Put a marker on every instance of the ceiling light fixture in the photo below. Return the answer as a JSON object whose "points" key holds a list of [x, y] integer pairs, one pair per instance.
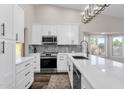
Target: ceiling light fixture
{"points": [[91, 11]]}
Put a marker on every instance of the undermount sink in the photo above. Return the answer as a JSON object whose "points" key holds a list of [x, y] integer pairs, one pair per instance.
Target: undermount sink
{"points": [[80, 57]]}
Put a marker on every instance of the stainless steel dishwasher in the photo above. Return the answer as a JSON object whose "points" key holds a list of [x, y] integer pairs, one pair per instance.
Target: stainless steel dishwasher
{"points": [[76, 78]]}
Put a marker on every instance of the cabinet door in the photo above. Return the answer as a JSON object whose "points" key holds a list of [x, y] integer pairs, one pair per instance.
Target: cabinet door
{"points": [[61, 63], [7, 64], [6, 21], [49, 30], [63, 34], [36, 35], [74, 34], [19, 23], [53, 30]]}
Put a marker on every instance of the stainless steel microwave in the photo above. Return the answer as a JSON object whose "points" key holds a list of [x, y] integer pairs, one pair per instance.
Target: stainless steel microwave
{"points": [[49, 39]]}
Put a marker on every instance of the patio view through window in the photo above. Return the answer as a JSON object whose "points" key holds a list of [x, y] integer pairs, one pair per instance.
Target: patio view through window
{"points": [[97, 45], [117, 46]]}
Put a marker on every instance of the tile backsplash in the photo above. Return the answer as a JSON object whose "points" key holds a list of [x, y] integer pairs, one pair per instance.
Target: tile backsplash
{"points": [[55, 48]]}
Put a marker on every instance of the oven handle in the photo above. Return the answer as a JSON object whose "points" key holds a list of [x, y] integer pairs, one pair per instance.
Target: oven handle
{"points": [[48, 58]]}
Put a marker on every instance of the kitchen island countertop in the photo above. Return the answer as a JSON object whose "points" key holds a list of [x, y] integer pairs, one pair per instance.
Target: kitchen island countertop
{"points": [[101, 73]]}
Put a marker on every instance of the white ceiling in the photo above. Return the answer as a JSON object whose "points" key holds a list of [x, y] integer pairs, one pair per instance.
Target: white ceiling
{"points": [[116, 10], [73, 6]]}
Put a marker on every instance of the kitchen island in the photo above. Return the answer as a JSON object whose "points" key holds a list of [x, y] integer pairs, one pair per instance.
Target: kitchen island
{"points": [[98, 73]]}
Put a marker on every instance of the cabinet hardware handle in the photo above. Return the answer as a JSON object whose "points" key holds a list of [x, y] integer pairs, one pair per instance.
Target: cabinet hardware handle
{"points": [[27, 84], [69, 67], [3, 29], [16, 37], [27, 73], [61, 59], [27, 64], [3, 47]]}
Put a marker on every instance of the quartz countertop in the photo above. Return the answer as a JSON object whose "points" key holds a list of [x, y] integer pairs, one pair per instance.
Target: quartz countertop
{"points": [[101, 73], [23, 59]]}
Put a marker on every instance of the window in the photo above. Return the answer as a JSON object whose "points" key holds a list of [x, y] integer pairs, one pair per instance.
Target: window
{"points": [[117, 48], [97, 45]]}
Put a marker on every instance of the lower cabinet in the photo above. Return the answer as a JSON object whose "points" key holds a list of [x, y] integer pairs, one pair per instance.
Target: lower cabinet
{"points": [[36, 62], [24, 74], [61, 63]]}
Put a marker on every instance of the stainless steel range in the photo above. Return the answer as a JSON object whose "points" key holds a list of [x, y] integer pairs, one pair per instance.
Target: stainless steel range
{"points": [[48, 62]]}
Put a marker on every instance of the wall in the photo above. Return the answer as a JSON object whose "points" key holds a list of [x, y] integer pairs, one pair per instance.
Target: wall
{"points": [[29, 19], [49, 14]]}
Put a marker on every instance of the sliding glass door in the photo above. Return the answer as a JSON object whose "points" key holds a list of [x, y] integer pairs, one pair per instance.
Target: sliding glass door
{"points": [[117, 46], [98, 45]]}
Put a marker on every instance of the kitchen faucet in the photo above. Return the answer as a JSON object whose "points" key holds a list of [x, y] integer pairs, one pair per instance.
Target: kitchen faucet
{"points": [[81, 43]]}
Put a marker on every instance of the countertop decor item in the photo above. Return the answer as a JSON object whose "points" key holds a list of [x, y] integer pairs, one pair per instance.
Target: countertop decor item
{"points": [[91, 11]]}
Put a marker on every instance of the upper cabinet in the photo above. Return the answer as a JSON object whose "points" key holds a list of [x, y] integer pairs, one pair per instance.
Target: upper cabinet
{"points": [[36, 35], [67, 34], [48, 30], [63, 34], [74, 31], [6, 21], [19, 23]]}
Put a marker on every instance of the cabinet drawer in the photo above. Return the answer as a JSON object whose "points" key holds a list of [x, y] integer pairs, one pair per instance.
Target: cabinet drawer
{"points": [[23, 66], [62, 56], [36, 64], [36, 69], [24, 73], [25, 83]]}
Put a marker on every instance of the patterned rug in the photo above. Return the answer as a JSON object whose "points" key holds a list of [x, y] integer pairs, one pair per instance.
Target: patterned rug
{"points": [[51, 81]]}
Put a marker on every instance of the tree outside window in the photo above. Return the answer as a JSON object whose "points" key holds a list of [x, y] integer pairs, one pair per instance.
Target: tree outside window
{"points": [[117, 46]]}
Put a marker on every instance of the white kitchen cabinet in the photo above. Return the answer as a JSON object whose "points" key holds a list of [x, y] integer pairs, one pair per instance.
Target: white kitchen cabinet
{"points": [[48, 30], [61, 63], [19, 23], [63, 34], [74, 34], [68, 34], [36, 62], [6, 21], [36, 35], [7, 63], [24, 74]]}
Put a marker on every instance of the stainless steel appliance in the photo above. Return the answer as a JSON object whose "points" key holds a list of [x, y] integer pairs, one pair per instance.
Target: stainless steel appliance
{"points": [[76, 78], [49, 39], [48, 62]]}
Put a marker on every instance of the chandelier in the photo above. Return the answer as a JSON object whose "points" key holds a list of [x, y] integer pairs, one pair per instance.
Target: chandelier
{"points": [[91, 11]]}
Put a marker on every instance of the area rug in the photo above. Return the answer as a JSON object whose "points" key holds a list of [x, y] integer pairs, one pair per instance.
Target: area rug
{"points": [[51, 81]]}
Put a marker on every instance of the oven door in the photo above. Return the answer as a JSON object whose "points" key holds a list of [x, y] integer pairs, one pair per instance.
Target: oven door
{"points": [[48, 63]]}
